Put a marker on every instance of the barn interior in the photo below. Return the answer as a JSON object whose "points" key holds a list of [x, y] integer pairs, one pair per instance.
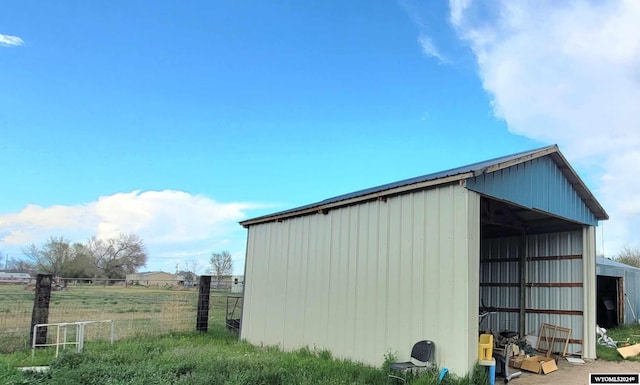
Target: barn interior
{"points": [[530, 271]]}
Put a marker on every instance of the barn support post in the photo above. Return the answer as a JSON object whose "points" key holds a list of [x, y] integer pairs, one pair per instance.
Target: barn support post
{"points": [[522, 253], [202, 318], [40, 313], [589, 289]]}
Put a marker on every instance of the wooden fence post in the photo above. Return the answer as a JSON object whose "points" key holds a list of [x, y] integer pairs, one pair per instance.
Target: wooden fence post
{"points": [[202, 321], [40, 313]]}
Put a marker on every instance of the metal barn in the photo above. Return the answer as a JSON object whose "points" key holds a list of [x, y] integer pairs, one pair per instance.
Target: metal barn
{"points": [[617, 293], [374, 271]]}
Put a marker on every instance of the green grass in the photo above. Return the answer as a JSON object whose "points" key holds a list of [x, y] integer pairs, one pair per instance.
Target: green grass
{"points": [[136, 310], [191, 358], [628, 333]]}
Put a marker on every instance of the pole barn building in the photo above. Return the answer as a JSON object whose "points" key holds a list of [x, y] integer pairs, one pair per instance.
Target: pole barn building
{"points": [[617, 293], [377, 270]]}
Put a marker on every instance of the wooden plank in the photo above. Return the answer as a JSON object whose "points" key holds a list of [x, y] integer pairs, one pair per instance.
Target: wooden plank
{"points": [[555, 258], [533, 259], [554, 284], [539, 311], [531, 284], [548, 334], [202, 316], [40, 313], [629, 351]]}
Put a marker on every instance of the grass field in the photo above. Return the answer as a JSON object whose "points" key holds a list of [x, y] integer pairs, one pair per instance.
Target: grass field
{"points": [[627, 334], [192, 358], [135, 310], [157, 344]]}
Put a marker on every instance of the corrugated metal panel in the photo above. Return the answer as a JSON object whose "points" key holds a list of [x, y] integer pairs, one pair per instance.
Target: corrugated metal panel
{"points": [[601, 261], [566, 271], [537, 184], [632, 291], [368, 279], [631, 284], [499, 265]]}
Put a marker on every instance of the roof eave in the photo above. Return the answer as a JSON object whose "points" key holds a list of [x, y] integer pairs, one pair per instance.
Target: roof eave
{"points": [[580, 187], [378, 195], [553, 151]]}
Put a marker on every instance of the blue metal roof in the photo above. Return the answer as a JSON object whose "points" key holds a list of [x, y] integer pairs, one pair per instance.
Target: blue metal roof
{"points": [[464, 172], [610, 262]]}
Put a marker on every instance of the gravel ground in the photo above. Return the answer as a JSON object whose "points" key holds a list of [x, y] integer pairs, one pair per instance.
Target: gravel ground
{"points": [[574, 374]]}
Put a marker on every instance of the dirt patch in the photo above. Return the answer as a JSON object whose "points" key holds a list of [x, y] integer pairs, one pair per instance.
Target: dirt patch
{"points": [[574, 374]]}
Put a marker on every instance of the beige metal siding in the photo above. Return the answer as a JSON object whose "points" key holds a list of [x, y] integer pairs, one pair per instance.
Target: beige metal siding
{"points": [[371, 278], [589, 300]]}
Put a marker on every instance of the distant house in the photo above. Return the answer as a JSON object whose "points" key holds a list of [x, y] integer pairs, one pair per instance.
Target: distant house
{"points": [[154, 278], [14, 277], [226, 281]]}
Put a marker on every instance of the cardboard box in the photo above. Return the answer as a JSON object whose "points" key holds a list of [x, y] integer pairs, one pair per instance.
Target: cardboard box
{"points": [[516, 362], [629, 351], [539, 364]]}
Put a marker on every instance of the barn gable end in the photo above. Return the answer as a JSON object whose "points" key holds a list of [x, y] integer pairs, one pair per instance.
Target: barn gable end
{"points": [[537, 184]]}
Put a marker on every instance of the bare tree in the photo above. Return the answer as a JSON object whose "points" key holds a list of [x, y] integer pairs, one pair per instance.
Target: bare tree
{"points": [[629, 255], [58, 257], [190, 272], [221, 265], [192, 265], [117, 257], [19, 266], [53, 257]]}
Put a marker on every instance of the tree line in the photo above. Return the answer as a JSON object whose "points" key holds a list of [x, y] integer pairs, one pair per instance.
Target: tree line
{"points": [[112, 258]]}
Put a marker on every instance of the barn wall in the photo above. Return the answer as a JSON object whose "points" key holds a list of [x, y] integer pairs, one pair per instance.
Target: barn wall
{"points": [[554, 282], [371, 278], [632, 300]]}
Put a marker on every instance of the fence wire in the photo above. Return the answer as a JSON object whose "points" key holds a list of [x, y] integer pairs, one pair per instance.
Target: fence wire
{"points": [[136, 311]]}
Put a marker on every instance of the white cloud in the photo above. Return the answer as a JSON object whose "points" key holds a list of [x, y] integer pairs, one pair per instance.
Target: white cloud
{"points": [[567, 73], [165, 216], [429, 48], [10, 41], [457, 8], [426, 43], [173, 224]]}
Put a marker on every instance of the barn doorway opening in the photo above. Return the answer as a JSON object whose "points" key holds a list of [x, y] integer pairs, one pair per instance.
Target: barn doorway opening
{"points": [[528, 261], [609, 301]]}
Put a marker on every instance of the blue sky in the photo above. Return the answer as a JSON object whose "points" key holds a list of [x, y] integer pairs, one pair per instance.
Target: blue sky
{"points": [[176, 120]]}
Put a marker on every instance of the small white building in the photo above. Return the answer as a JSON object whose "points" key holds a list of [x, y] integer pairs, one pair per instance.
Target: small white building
{"points": [[16, 278], [237, 284], [618, 293]]}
